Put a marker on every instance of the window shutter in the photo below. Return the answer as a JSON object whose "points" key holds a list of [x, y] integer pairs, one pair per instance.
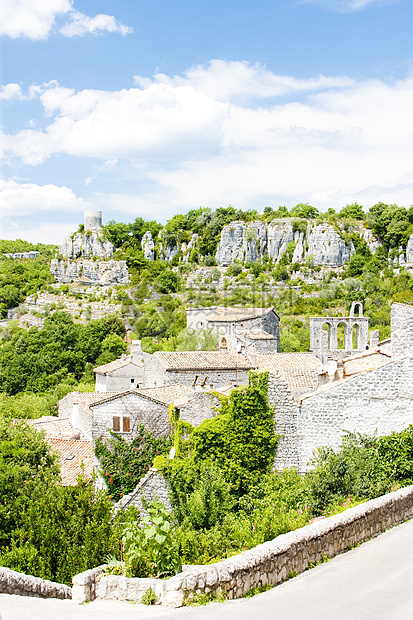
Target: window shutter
{"points": [[116, 424], [126, 425]]}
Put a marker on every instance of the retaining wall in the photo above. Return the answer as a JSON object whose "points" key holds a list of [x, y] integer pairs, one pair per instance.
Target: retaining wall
{"points": [[12, 582], [269, 563]]}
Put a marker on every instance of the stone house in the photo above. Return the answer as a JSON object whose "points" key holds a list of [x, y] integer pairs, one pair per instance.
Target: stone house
{"points": [[374, 396], [214, 368], [125, 373], [244, 330], [97, 414]]}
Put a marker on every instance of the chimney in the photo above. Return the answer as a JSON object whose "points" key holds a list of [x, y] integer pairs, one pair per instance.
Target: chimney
{"points": [[136, 351]]}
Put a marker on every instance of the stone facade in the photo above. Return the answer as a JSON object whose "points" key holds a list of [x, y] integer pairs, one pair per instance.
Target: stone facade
{"points": [[156, 375], [265, 565], [130, 405], [12, 582], [286, 412], [118, 376], [152, 487], [376, 401], [323, 342], [245, 330], [401, 330]]}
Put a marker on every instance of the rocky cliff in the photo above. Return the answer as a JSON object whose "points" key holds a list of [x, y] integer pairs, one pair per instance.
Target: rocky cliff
{"points": [[91, 272], [86, 245], [251, 242]]}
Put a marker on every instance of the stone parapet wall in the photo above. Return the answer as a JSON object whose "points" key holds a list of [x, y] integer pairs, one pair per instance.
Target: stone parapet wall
{"points": [[268, 564], [12, 582]]}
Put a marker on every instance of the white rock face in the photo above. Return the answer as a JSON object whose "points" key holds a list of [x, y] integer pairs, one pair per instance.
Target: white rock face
{"points": [[148, 246], [101, 273], [409, 251], [327, 247], [279, 236], [86, 246], [250, 242]]}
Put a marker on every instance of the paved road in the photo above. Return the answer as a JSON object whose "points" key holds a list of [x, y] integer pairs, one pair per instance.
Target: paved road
{"points": [[371, 582]]}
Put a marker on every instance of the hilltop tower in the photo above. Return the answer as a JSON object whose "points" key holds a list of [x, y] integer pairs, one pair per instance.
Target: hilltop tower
{"points": [[93, 220]]}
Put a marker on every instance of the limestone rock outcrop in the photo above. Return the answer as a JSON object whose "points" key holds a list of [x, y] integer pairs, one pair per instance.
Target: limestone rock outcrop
{"points": [[86, 245], [99, 272], [250, 242], [148, 246]]}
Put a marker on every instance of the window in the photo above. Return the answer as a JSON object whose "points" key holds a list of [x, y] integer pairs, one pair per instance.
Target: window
{"points": [[132, 380], [121, 424]]}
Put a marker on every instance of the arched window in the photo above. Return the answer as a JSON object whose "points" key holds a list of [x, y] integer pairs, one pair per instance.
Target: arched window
{"points": [[325, 336], [341, 336], [356, 336]]}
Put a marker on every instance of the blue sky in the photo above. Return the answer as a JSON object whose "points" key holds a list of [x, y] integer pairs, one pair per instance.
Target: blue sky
{"points": [[153, 108]]}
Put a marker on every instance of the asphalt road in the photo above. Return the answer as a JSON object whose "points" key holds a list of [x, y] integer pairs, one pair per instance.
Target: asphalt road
{"points": [[372, 582]]}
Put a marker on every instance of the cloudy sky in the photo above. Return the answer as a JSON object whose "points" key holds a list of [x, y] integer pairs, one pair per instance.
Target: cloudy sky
{"points": [[152, 108]]}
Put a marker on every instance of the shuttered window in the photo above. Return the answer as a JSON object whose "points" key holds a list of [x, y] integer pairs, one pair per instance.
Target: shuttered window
{"points": [[116, 424], [126, 425]]}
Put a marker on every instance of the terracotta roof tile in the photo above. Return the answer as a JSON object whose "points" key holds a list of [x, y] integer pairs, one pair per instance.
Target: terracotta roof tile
{"points": [[287, 361], [59, 428], [115, 365], [203, 360], [238, 314], [72, 455], [86, 399], [166, 395]]}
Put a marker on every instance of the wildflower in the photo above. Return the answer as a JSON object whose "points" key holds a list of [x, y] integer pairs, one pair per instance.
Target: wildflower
{"points": [[107, 474], [300, 512], [110, 480]]}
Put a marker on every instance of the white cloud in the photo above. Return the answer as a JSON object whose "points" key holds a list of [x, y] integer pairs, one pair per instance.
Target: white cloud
{"points": [[25, 199], [204, 139], [30, 18], [238, 81], [81, 24], [35, 19], [10, 91]]}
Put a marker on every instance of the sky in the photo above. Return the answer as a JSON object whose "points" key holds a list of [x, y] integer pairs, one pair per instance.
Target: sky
{"points": [[147, 109]]}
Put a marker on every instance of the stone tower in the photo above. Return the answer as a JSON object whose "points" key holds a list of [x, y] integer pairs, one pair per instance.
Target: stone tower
{"points": [[93, 220]]}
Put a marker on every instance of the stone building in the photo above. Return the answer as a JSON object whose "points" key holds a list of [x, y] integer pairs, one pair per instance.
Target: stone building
{"points": [[125, 373], [374, 396], [97, 414], [245, 330], [324, 334], [211, 367]]}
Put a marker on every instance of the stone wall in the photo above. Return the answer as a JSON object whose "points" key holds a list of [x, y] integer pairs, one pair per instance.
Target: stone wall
{"points": [[286, 421], [201, 406], [268, 564], [401, 330], [12, 582], [153, 415], [376, 401], [155, 375], [152, 487]]}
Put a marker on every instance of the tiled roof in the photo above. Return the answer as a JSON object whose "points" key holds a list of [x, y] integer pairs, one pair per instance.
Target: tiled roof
{"points": [[115, 365], [165, 395], [298, 370], [238, 314], [72, 454], [86, 399], [256, 334], [55, 427], [287, 361], [367, 360], [203, 360]]}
